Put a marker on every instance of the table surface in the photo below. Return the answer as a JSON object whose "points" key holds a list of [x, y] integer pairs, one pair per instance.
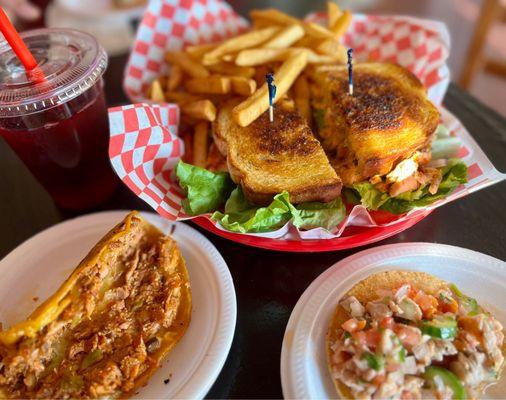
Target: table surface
{"points": [[268, 283]]}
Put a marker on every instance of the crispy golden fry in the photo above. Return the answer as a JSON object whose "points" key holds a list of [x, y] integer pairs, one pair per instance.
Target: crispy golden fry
{"points": [[279, 18], [214, 84], [286, 37], [155, 91], [306, 41], [342, 24], [200, 144], [315, 58], [301, 97], [260, 23], [188, 65], [181, 97], [243, 86], [332, 47], [317, 31], [333, 13], [249, 39], [187, 156], [250, 109], [232, 69], [200, 109], [275, 17], [175, 77], [228, 57], [253, 57], [197, 51]]}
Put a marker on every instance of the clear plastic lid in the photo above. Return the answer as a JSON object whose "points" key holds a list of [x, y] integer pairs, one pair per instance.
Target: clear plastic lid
{"points": [[71, 61]]}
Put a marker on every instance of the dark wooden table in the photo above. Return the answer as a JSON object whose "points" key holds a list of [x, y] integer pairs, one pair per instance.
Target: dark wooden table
{"points": [[268, 284]]}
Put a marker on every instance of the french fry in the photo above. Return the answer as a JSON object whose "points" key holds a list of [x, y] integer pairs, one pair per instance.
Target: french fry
{"points": [[181, 97], [243, 86], [155, 91], [279, 18], [175, 77], [232, 69], [301, 97], [285, 38], [214, 84], [342, 24], [253, 57], [333, 13], [200, 144], [188, 147], [191, 67], [306, 41], [333, 48], [200, 109], [249, 39], [197, 51], [228, 57], [315, 58], [318, 31], [260, 23], [276, 17], [250, 109]]}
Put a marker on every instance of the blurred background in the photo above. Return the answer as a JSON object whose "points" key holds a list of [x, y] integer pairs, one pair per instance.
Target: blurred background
{"points": [[477, 28]]}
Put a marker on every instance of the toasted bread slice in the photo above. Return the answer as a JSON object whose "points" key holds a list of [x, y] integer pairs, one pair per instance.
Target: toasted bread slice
{"points": [[268, 158], [386, 120]]}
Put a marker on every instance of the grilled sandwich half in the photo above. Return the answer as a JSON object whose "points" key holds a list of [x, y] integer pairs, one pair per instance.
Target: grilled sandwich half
{"points": [[387, 120], [267, 158]]}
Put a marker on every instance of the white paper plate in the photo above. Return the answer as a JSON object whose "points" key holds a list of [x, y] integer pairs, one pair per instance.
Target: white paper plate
{"points": [[36, 268], [304, 372]]}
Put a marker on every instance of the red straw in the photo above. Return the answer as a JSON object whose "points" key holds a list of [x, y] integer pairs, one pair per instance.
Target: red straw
{"points": [[18, 46]]}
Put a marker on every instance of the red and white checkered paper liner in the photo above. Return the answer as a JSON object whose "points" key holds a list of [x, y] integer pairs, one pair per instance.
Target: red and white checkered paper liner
{"points": [[144, 146]]}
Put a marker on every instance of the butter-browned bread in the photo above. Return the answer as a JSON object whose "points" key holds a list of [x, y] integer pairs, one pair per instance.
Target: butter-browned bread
{"points": [[386, 120], [267, 158]]}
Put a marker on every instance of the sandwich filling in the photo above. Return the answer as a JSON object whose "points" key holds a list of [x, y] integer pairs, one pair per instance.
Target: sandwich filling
{"points": [[382, 133], [409, 344]]}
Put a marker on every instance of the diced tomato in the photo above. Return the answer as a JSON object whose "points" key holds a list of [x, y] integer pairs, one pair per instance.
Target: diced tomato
{"points": [[387, 323], [368, 338], [379, 379], [448, 305], [470, 325], [407, 336], [427, 303], [391, 367], [353, 325], [407, 395]]}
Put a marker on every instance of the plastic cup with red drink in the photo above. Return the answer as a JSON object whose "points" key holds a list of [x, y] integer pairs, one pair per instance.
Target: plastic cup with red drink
{"points": [[58, 125]]}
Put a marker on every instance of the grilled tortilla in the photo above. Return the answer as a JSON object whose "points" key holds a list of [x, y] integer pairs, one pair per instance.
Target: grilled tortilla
{"points": [[106, 329], [462, 368]]}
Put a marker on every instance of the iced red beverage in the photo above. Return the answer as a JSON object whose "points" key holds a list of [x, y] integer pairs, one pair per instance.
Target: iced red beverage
{"points": [[59, 126]]}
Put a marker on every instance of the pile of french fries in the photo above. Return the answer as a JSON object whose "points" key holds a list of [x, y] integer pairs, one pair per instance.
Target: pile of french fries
{"points": [[201, 77]]}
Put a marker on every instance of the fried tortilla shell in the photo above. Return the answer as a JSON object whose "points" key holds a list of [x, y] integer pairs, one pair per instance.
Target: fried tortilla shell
{"points": [[365, 291], [107, 328]]}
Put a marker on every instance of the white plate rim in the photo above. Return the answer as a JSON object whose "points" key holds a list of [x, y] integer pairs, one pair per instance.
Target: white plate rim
{"points": [[349, 269], [206, 373]]}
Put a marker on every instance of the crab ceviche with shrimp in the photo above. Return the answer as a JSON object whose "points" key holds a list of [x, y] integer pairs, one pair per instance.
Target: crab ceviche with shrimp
{"points": [[410, 335]]}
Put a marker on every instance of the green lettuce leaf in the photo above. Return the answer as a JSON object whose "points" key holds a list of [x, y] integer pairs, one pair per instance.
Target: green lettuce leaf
{"points": [[242, 216], [206, 191], [325, 215], [454, 174]]}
